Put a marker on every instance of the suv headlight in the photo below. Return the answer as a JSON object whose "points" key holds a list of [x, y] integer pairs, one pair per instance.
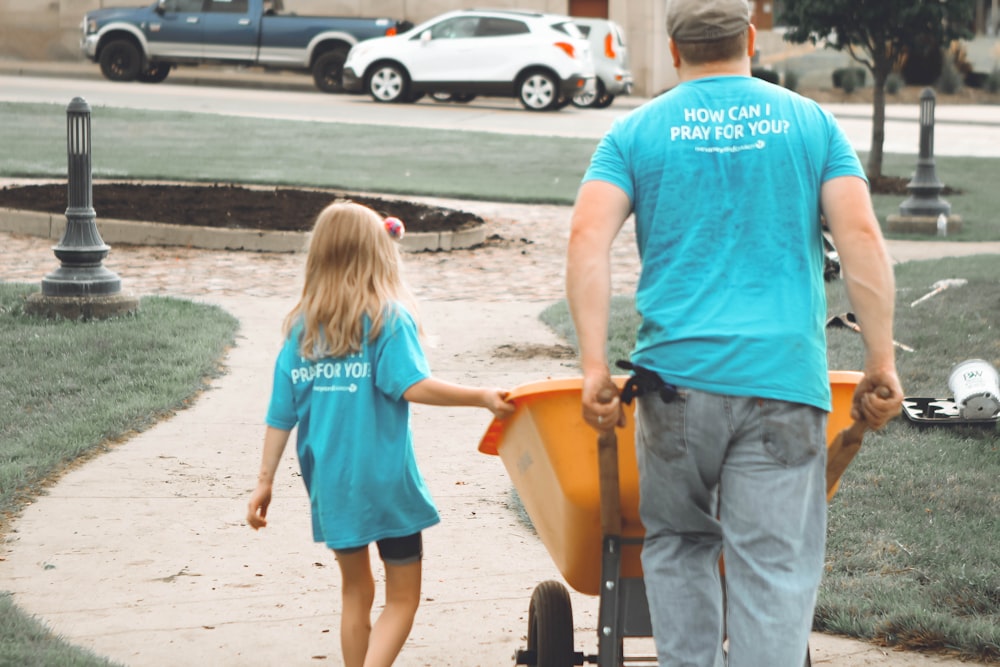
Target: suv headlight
{"points": [[358, 51], [89, 26]]}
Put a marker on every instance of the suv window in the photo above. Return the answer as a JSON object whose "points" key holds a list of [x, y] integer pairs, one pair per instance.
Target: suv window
{"points": [[455, 28], [567, 27], [497, 27], [227, 6]]}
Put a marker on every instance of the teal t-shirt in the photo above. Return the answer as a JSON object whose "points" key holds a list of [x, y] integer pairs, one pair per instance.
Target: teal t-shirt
{"points": [[724, 176], [354, 443]]}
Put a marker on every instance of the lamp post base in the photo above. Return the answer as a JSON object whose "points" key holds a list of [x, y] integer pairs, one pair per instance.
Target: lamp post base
{"points": [[92, 307], [922, 224]]}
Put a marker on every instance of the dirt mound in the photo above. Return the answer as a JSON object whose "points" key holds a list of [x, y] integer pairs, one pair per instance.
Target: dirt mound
{"points": [[284, 209]]}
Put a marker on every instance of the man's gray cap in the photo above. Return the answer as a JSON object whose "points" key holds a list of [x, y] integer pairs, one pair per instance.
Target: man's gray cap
{"points": [[706, 20]]}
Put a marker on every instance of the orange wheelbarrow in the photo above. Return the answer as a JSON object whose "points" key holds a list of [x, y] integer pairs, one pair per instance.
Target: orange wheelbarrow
{"points": [[582, 495]]}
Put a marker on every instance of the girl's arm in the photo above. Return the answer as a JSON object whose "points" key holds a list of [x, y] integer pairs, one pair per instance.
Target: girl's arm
{"points": [[432, 391], [274, 446]]}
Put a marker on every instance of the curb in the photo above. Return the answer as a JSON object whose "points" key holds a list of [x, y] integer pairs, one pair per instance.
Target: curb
{"points": [[130, 232]]}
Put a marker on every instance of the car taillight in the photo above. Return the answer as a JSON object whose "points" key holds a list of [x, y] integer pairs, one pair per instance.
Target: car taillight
{"points": [[390, 32], [609, 46], [567, 47]]}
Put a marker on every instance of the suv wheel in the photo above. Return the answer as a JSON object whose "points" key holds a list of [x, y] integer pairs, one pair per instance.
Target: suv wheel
{"points": [[388, 83], [603, 101], [538, 91], [587, 98]]}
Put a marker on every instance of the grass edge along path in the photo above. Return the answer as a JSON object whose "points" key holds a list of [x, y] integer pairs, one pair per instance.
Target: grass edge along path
{"points": [[103, 381], [911, 556]]}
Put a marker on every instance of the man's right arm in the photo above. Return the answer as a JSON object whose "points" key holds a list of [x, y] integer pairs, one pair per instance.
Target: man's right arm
{"points": [[601, 210], [871, 289]]}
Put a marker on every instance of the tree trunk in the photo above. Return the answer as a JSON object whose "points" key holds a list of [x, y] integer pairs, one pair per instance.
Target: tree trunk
{"points": [[879, 74]]}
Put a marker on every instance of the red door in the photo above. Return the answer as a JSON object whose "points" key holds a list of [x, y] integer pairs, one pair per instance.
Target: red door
{"points": [[597, 9]]}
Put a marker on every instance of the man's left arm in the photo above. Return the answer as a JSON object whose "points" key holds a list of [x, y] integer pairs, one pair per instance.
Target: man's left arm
{"points": [[871, 289]]}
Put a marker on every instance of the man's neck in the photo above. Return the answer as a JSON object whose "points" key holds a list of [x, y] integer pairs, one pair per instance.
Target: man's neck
{"points": [[739, 67]]}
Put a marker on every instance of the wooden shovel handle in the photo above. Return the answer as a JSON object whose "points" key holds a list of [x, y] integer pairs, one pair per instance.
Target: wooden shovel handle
{"points": [[607, 466], [607, 462]]}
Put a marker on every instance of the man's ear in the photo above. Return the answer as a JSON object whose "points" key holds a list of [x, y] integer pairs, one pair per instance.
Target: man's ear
{"points": [[751, 40], [674, 53]]}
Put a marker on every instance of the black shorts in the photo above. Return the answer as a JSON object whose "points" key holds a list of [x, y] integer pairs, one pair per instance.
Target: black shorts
{"points": [[394, 550]]}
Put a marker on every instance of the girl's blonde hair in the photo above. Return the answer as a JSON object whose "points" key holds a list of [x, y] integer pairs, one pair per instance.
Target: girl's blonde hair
{"points": [[352, 271]]}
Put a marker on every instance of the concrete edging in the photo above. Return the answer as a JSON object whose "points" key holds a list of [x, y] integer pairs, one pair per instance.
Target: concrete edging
{"points": [[129, 232]]}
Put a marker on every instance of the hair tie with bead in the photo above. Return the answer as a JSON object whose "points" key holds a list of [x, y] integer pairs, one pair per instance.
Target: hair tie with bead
{"points": [[395, 227]]}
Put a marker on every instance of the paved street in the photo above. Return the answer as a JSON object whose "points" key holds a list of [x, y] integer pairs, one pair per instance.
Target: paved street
{"points": [[972, 130]]}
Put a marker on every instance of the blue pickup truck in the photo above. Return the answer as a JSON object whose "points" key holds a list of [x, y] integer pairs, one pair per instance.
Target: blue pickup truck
{"points": [[143, 44]]}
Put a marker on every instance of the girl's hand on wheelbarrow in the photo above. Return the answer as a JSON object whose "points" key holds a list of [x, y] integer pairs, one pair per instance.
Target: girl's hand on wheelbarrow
{"points": [[497, 403], [602, 409]]}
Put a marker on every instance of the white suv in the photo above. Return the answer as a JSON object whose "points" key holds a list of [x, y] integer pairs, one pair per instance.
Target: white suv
{"points": [[607, 44], [542, 59]]}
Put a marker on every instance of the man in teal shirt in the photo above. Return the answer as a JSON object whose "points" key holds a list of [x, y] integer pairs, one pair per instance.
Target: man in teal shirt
{"points": [[727, 177]]}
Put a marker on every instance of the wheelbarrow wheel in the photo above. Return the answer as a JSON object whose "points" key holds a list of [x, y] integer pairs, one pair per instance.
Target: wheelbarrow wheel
{"points": [[550, 626]]}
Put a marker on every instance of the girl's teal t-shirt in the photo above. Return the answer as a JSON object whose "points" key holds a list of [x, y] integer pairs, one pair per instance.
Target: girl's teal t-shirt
{"points": [[354, 444]]}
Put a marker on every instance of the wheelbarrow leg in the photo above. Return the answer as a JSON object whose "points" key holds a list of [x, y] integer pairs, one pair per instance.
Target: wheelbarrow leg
{"points": [[609, 632], [609, 636]]}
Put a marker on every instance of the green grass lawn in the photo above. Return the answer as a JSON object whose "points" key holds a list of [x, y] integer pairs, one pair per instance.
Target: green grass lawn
{"points": [[912, 556], [401, 160]]}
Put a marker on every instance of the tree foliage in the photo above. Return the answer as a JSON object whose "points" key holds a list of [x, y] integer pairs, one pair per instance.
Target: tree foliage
{"points": [[877, 34]]}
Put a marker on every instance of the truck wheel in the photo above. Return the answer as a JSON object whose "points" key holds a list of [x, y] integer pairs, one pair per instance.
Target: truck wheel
{"points": [[328, 71], [154, 73], [120, 61], [389, 83], [538, 91]]}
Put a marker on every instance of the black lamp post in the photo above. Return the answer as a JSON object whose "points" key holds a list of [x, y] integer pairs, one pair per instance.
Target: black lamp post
{"points": [[81, 287], [925, 187], [924, 211]]}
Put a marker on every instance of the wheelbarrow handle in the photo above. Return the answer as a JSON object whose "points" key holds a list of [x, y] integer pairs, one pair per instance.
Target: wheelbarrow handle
{"points": [[607, 465], [841, 452]]}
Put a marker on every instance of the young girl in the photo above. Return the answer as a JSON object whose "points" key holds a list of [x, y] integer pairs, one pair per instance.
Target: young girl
{"points": [[349, 367]]}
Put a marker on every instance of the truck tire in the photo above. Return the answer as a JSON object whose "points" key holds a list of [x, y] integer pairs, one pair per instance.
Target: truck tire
{"points": [[121, 60], [328, 71], [538, 91], [155, 73], [389, 83]]}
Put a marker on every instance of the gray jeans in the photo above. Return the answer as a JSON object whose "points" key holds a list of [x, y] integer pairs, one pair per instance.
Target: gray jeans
{"points": [[746, 477]]}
